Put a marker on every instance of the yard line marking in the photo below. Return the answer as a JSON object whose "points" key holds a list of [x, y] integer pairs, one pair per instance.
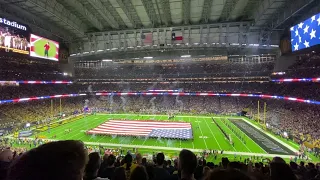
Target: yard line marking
{"points": [[213, 134], [69, 125], [235, 136], [80, 128], [204, 140]]}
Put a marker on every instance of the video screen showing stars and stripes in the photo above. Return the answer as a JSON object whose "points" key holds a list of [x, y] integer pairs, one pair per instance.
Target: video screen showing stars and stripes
{"points": [[306, 33], [155, 129], [44, 48]]}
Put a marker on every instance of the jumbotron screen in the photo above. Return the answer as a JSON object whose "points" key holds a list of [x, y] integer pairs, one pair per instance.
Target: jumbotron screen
{"points": [[44, 48], [14, 36], [306, 33]]}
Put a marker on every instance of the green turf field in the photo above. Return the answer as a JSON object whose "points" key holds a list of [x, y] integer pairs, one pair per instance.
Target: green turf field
{"points": [[206, 133], [39, 48]]}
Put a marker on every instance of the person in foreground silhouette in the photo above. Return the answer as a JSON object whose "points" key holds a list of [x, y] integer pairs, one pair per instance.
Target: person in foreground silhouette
{"points": [[61, 160]]}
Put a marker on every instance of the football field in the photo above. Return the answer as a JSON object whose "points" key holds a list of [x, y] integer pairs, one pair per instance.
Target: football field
{"points": [[208, 133]]}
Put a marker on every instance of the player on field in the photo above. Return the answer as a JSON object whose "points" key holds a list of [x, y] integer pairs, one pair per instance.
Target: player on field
{"points": [[46, 49]]}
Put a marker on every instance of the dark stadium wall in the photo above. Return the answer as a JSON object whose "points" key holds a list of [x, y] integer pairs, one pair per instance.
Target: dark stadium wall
{"points": [[283, 62], [67, 68], [65, 65]]}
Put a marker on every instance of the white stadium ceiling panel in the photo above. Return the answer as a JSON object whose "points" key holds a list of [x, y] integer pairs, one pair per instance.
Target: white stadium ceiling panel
{"points": [[55, 12], [82, 13], [228, 7], [81, 17], [130, 12], [122, 13], [166, 12], [106, 4], [266, 10], [249, 8], [216, 10], [38, 25], [104, 13], [176, 11], [151, 7], [238, 9], [141, 12], [196, 11], [206, 11]]}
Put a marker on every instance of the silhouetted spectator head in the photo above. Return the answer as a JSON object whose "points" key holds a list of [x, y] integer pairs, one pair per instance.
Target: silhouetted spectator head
{"points": [[160, 159], [278, 160], [187, 163], [144, 161], [93, 166], [230, 174], [128, 161], [139, 173], [6, 155], [311, 166], [119, 174], [169, 163], [210, 165], [225, 162], [200, 162], [150, 172], [105, 157], [111, 160], [281, 171], [235, 165], [63, 160], [206, 171], [175, 163], [293, 165], [139, 158], [257, 166]]}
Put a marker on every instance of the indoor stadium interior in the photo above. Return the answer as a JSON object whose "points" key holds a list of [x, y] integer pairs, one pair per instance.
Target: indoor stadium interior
{"points": [[159, 89]]}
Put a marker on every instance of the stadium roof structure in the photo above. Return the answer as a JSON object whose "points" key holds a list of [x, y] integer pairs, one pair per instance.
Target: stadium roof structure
{"points": [[99, 26]]}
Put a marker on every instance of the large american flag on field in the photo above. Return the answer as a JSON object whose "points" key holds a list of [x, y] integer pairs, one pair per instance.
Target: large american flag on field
{"points": [[162, 129], [306, 33]]}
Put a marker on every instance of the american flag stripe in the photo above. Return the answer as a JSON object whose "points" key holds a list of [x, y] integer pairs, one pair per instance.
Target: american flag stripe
{"points": [[117, 132], [136, 128], [147, 125], [149, 122]]}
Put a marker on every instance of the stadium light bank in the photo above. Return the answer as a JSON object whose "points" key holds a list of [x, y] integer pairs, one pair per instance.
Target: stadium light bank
{"points": [[13, 24]]}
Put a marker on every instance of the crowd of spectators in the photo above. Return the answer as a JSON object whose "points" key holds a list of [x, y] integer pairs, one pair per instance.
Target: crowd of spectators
{"points": [[187, 70], [286, 115], [306, 66], [301, 89], [22, 68], [69, 160]]}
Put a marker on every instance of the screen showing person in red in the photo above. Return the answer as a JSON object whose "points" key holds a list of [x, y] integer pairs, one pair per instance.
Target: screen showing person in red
{"points": [[44, 48]]}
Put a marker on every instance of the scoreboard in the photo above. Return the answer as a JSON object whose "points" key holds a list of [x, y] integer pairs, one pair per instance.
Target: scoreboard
{"points": [[16, 37], [44, 48]]}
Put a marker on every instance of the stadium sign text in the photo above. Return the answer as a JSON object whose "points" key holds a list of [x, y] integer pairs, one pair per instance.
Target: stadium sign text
{"points": [[13, 24]]}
